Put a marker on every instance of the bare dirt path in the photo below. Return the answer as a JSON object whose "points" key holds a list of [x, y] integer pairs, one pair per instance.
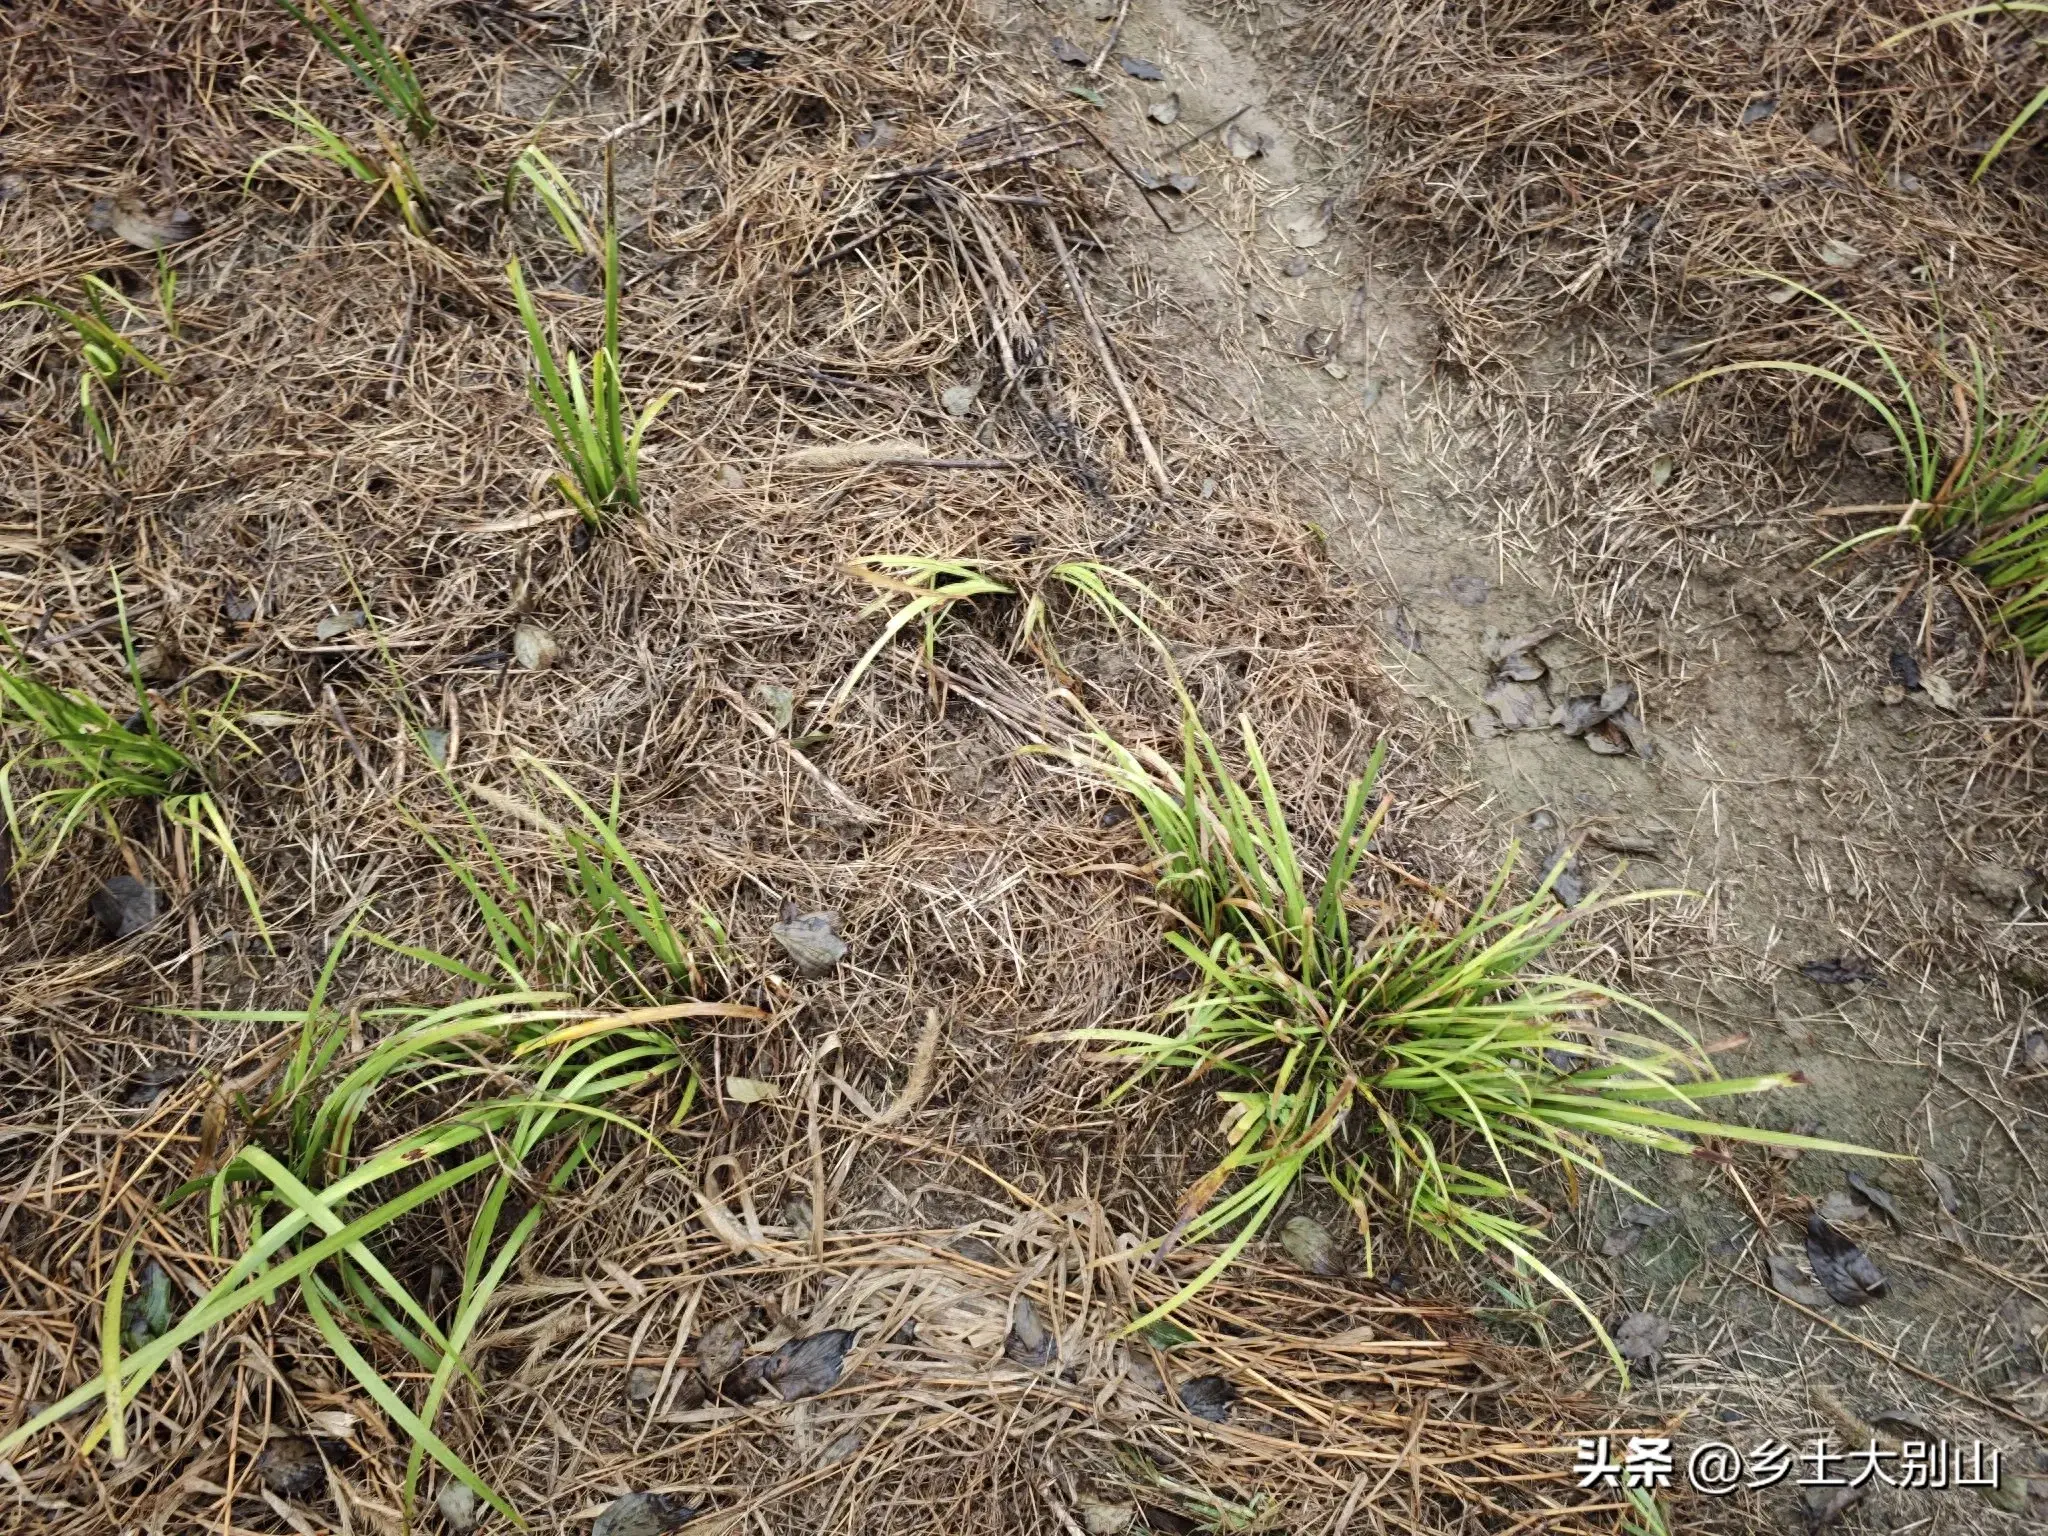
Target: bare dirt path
{"points": [[1778, 785]]}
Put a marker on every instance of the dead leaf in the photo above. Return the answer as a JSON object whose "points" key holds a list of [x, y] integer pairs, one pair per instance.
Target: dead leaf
{"points": [[1163, 181], [1756, 110], [1641, 1337], [1519, 706], [291, 1467], [1102, 1519], [457, 1503], [1402, 628], [1878, 1196], [534, 648], [720, 1347], [1466, 590], [811, 941], [1140, 69], [1840, 972], [1069, 53], [1938, 691], [1843, 1269], [749, 1090], [1029, 1342], [1643, 845], [642, 1382], [122, 906], [334, 624], [643, 1514], [1493, 648], [1622, 1241], [776, 701], [1905, 1418], [1311, 227], [1165, 113], [1839, 1205], [976, 1250], [841, 1448], [1662, 468], [1309, 1243], [1579, 714], [130, 220], [1825, 1505], [1634, 732], [805, 1367], [1208, 1397], [1839, 254], [1244, 144], [1944, 1187], [1790, 1281]]}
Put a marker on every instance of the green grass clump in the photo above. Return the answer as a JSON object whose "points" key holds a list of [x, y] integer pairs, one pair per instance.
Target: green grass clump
{"points": [[345, 30], [1986, 500], [2027, 113], [106, 353], [594, 431], [923, 591], [396, 177], [470, 1113], [87, 760], [559, 199], [1411, 1067]]}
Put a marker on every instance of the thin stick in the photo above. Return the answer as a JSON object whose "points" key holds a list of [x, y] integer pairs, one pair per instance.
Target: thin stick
{"points": [[1145, 193], [1109, 367], [919, 1083], [851, 246], [347, 735], [1216, 127], [818, 776], [1115, 32], [937, 168]]}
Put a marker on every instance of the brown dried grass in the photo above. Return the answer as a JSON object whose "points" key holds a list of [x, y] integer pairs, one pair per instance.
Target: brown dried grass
{"points": [[346, 429]]}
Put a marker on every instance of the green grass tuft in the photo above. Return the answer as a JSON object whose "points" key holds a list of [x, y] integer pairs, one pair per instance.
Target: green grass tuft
{"points": [[345, 30], [594, 431], [1412, 1068], [557, 197], [396, 176], [1987, 500], [923, 591], [472, 1112], [87, 760], [106, 353]]}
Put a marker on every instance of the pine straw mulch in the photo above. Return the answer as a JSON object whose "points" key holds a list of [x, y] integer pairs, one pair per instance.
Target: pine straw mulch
{"points": [[1608, 198], [821, 236]]}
